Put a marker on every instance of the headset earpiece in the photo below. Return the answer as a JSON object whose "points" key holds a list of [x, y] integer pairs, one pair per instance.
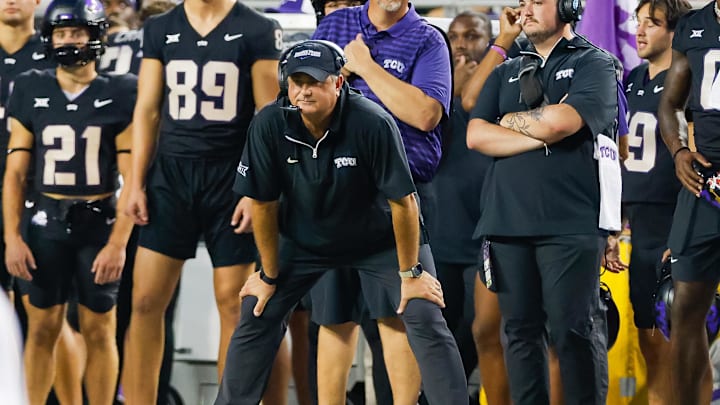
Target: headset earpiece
{"points": [[338, 56], [569, 10]]}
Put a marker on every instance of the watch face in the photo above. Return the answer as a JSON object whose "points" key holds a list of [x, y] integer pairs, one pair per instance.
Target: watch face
{"points": [[417, 270]]}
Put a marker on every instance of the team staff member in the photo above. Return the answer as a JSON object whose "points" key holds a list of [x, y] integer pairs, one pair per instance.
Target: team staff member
{"points": [[62, 118], [540, 201], [694, 236], [206, 66], [337, 160], [649, 185]]}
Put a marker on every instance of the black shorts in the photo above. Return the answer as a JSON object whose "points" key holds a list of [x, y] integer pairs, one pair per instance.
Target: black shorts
{"points": [[650, 226], [695, 240], [65, 237], [190, 198], [371, 286]]}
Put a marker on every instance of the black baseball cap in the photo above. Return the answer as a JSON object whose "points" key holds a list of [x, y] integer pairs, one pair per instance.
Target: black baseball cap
{"points": [[315, 59]]}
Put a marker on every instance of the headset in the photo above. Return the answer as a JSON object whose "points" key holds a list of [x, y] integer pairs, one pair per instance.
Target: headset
{"points": [[569, 10], [339, 58]]}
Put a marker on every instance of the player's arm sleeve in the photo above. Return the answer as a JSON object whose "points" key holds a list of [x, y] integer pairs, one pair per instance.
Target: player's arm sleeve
{"points": [[257, 174], [19, 106], [432, 71], [593, 92], [267, 42], [389, 163], [152, 35]]}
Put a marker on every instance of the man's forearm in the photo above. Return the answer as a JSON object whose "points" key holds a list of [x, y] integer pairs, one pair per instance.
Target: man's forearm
{"points": [[497, 141], [406, 226], [266, 231], [406, 102], [144, 142], [549, 124]]}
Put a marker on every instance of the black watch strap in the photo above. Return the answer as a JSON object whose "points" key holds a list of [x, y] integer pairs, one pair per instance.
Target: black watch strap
{"points": [[267, 279]]}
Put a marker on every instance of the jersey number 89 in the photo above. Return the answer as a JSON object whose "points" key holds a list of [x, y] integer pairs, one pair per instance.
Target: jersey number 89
{"points": [[182, 78]]}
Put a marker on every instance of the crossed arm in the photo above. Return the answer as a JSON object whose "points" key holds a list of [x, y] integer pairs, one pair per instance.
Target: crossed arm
{"points": [[523, 131]]}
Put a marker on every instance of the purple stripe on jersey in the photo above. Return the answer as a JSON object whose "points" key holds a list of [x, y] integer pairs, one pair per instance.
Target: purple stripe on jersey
{"points": [[410, 50]]}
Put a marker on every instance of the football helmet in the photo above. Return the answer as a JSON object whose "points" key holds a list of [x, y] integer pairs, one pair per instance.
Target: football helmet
{"points": [[663, 299], [89, 14]]}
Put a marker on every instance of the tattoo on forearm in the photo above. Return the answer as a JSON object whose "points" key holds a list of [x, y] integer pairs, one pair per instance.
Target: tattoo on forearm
{"points": [[520, 121]]}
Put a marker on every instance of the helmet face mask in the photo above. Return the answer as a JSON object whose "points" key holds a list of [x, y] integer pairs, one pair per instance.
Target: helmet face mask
{"points": [[88, 14]]}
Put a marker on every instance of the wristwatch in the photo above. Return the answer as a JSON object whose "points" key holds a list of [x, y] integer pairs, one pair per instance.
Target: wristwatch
{"points": [[267, 279], [413, 272]]}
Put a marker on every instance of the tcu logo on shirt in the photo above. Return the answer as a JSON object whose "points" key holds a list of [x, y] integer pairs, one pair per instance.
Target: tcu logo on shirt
{"points": [[345, 162], [394, 64], [564, 74]]}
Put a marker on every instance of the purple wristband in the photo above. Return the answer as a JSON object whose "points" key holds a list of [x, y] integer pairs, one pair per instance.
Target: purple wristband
{"points": [[499, 49]]}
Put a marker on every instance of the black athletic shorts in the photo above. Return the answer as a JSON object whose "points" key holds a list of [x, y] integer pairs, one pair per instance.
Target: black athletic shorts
{"points": [[65, 236], [190, 198], [695, 240]]}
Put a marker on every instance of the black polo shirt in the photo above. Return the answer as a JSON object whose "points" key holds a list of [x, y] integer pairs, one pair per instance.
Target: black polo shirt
{"points": [[333, 192], [534, 194]]}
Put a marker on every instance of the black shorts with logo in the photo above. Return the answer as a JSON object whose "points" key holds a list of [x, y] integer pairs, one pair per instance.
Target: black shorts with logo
{"points": [[695, 239], [190, 198], [65, 236]]}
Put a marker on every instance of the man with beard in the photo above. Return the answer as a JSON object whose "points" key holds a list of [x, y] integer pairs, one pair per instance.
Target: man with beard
{"points": [[540, 116]]}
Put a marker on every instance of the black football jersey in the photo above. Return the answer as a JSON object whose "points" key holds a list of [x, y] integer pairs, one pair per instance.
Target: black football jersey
{"points": [[30, 56], [74, 141], [649, 171], [697, 35], [123, 53], [208, 101]]}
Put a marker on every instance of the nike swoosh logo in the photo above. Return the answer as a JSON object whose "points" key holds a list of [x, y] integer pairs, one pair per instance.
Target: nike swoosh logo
{"points": [[513, 79], [658, 89], [291, 160], [229, 37], [673, 260], [101, 103], [109, 221], [38, 56]]}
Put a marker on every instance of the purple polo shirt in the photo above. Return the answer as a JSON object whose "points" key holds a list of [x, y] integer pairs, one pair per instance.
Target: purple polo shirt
{"points": [[414, 52]]}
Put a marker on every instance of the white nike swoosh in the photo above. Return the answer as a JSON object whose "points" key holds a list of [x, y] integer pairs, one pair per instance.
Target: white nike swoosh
{"points": [[657, 89], [229, 37], [101, 103], [673, 260], [109, 221], [291, 160], [38, 56], [513, 79]]}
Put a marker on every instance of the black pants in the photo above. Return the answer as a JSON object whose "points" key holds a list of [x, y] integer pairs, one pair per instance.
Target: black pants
{"points": [[256, 339], [553, 279]]}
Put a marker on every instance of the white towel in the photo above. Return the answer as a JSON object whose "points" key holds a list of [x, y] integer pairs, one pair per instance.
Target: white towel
{"points": [[606, 153]]}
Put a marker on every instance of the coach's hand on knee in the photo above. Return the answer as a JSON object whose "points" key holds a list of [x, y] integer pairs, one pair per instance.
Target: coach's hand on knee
{"points": [[19, 259], [257, 288], [426, 287]]}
